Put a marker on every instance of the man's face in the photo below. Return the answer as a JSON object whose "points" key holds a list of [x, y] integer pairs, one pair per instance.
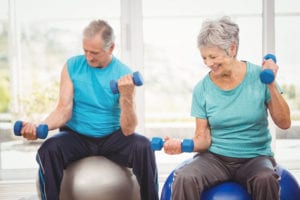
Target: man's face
{"points": [[94, 52]]}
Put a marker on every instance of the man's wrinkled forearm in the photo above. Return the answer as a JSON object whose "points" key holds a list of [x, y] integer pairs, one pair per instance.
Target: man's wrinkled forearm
{"points": [[128, 119]]}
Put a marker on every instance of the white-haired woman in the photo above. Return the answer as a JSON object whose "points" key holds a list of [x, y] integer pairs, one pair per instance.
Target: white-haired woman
{"points": [[231, 107]]}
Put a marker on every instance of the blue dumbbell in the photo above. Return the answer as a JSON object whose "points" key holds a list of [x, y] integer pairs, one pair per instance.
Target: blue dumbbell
{"points": [[137, 80], [187, 145], [267, 75], [41, 130]]}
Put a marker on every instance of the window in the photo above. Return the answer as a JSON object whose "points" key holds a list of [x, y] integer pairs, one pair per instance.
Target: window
{"points": [[48, 35], [4, 67], [171, 54], [287, 50], [45, 35]]}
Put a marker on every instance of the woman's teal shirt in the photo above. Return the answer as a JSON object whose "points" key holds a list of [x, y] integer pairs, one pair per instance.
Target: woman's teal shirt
{"points": [[238, 118]]}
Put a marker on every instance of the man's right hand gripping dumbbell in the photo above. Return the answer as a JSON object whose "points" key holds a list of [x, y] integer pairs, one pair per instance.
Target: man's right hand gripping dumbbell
{"points": [[187, 145], [37, 132]]}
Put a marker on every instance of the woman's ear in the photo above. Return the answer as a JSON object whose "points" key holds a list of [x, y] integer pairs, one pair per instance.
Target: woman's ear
{"points": [[233, 50]]}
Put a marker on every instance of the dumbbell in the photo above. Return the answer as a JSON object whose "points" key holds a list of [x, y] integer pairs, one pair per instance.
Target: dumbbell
{"points": [[41, 130], [267, 75], [137, 80], [187, 145]]}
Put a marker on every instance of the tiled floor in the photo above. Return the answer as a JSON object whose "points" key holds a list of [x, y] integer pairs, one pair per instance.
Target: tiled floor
{"points": [[17, 184]]}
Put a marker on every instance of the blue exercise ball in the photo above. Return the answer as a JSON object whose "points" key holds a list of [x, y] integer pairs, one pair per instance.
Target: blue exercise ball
{"points": [[166, 190], [223, 191], [226, 191], [289, 188]]}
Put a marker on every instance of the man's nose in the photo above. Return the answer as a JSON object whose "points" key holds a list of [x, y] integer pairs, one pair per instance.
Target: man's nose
{"points": [[88, 56]]}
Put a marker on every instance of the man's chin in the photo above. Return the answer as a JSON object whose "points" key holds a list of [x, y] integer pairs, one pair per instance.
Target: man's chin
{"points": [[92, 64]]}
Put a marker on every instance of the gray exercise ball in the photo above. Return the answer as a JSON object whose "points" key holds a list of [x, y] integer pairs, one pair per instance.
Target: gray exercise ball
{"points": [[98, 178]]}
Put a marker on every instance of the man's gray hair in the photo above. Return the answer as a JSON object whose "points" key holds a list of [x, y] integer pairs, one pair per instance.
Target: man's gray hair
{"points": [[100, 26]]}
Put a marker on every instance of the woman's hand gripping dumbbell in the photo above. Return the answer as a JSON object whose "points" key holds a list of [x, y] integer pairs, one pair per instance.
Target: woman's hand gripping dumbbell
{"points": [[267, 75], [41, 130], [187, 145], [137, 80]]}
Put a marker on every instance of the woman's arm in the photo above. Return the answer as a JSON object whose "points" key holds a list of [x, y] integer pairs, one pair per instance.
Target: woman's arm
{"points": [[202, 139], [278, 108]]}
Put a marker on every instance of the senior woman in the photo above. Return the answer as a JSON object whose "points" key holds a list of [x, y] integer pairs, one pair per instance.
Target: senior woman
{"points": [[230, 105]]}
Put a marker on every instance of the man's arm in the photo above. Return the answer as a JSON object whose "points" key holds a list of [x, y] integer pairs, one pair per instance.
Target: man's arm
{"points": [[63, 110], [128, 118], [61, 114]]}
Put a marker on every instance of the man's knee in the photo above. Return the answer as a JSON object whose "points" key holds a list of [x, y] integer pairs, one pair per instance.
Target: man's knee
{"points": [[141, 142], [49, 149], [48, 145]]}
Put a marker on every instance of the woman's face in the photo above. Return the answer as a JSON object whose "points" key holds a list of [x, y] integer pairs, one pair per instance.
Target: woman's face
{"points": [[216, 59]]}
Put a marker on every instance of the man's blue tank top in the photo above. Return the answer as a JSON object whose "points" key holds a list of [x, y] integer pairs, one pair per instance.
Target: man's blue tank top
{"points": [[96, 110]]}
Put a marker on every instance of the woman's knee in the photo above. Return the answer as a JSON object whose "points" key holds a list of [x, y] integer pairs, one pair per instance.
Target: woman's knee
{"points": [[265, 178], [264, 185], [182, 177], [267, 174]]}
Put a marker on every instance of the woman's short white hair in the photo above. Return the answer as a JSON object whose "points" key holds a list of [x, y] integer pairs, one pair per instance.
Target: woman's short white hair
{"points": [[221, 33]]}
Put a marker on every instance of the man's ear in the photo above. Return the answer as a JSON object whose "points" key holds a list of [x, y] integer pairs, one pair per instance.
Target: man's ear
{"points": [[112, 47]]}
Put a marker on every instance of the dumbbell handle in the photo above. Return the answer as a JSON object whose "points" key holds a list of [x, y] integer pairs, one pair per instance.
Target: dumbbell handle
{"points": [[187, 145], [137, 80], [41, 130], [267, 75]]}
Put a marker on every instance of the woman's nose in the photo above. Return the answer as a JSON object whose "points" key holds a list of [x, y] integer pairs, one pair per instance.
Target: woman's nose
{"points": [[209, 62]]}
